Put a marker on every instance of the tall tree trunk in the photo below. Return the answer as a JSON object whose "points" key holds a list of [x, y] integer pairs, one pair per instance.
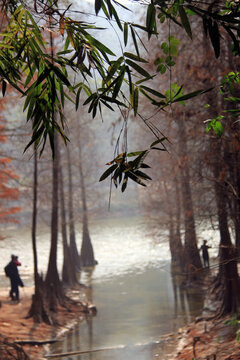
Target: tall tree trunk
{"points": [[52, 281], [228, 273], [73, 247], [191, 249], [68, 271], [86, 254], [37, 310]]}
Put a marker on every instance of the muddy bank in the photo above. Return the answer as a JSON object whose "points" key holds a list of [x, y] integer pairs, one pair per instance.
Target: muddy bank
{"points": [[19, 330]]}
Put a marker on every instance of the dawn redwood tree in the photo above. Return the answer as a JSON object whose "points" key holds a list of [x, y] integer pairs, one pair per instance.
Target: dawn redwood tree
{"points": [[69, 277], [72, 234], [37, 309], [55, 293], [190, 241], [87, 253]]}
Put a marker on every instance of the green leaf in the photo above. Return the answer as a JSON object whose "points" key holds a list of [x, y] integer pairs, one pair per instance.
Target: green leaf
{"points": [[158, 141], [113, 68], [215, 37], [190, 95], [118, 85], [135, 101], [134, 57], [101, 47], [78, 97], [162, 69], [108, 172], [134, 40], [142, 175], [117, 18], [61, 76], [150, 19], [125, 181], [125, 33], [98, 5], [4, 87], [154, 92], [184, 21], [134, 153], [138, 68], [135, 178]]}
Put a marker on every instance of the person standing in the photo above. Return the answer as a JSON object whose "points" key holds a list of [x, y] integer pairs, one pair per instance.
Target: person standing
{"points": [[11, 271], [205, 255]]}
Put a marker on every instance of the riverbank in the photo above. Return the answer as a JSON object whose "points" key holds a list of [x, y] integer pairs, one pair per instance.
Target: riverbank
{"points": [[202, 339], [207, 338], [17, 329]]}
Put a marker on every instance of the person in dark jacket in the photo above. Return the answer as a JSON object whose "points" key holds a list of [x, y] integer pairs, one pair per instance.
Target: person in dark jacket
{"points": [[205, 255], [12, 272]]}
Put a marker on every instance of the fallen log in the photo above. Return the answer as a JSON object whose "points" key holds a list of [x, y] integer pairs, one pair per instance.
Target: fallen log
{"points": [[83, 352], [36, 342]]}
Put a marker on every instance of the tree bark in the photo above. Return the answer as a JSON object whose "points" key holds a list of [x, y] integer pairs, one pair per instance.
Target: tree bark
{"points": [[73, 247], [68, 271], [37, 309], [228, 273], [52, 281], [191, 249], [87, 253]]}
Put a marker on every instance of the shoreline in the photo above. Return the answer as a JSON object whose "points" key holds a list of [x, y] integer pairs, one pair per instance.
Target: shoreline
{"points": [[200, 340], [16, 328]]}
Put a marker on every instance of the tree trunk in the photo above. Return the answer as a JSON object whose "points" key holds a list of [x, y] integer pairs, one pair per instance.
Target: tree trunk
{"points": [[68, 271], [191, 249], [228, 273], [73, 247], [52, 281], [37, 310], [86, 254]]}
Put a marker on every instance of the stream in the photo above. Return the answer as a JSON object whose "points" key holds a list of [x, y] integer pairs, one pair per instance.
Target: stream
{"points": [[137, 299]]}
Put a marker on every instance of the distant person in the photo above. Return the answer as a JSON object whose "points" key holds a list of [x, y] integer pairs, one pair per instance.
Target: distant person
{"points": [[205, 255], [11, 270]]}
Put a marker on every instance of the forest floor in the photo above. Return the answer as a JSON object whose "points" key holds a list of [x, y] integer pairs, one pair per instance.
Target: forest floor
{"points": [[15, 327], [204, 339]]}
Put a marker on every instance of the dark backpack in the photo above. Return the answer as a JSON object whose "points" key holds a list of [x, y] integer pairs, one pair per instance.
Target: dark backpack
{"points": [[7, 270]]}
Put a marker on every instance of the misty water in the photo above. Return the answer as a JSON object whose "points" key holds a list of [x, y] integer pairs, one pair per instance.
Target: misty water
{"points": [[132, 288]]}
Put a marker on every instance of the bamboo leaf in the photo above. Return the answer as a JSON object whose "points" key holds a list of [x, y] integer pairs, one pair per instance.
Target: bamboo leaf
{"points": [[142, 175], [158, 141], [98, 5], [125, 181], [138, 68], [190, 95], [134, 57], [151, 19], [134, 40], [125, 33], [184, 21], [135, 101], [215, 37], [108, 172], [154, 92]]}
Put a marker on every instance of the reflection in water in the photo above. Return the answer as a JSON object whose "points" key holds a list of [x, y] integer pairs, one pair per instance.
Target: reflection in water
{"points": [[134, 310], [186, 299]]}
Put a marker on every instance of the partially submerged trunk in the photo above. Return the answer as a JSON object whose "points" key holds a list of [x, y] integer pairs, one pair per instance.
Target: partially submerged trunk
{"points": [[73, 247], [87, 254], [68, 271], [54, 289], [228, 272], [193, 260]]}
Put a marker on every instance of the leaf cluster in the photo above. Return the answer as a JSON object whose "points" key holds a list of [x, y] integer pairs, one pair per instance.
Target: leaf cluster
{"points": [[121, 169]]}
